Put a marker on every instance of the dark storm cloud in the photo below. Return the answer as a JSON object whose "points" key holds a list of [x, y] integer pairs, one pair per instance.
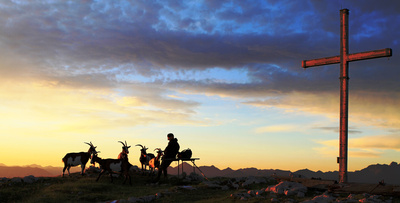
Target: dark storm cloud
{"points": [[275, 66], [69, 39]]}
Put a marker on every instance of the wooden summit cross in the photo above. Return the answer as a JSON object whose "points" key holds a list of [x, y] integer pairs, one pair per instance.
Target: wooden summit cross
{"points": [[344, 58]]}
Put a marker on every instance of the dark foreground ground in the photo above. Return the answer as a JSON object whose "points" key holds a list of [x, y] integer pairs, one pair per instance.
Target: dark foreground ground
{"points": [[84, 189]]}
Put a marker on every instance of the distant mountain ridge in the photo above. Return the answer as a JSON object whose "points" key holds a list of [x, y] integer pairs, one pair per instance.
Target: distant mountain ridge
{"points": [[371, 174], [18, 171], [35, 170], [212, 171]]}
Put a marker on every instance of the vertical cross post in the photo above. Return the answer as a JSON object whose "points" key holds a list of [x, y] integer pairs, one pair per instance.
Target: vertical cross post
{"points": [[344, 94], [344, 58]]}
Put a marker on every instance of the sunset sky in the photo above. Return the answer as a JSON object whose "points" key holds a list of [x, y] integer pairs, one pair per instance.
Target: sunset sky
{"points": [[224, 76]]}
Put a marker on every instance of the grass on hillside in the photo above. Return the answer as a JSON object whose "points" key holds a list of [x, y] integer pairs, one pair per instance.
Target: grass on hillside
{"points": [[85, 189]]}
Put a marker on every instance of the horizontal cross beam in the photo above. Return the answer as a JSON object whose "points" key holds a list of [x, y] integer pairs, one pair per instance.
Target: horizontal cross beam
{"points": [[351, 57]]}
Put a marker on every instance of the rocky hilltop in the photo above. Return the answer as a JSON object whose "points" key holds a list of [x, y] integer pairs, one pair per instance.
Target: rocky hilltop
{"points": [[371, 174]]}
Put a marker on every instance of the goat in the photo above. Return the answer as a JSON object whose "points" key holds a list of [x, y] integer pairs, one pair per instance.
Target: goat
{"points": [[121, 166], [155, 162], [80, 158], [144, 157], [125, 151]]}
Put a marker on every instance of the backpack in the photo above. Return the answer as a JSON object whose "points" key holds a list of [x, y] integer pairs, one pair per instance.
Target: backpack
{"points": [[185, 154]]}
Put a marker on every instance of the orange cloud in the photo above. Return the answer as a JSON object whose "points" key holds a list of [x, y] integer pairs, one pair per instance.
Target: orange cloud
{"points": [[367, 146], [367, 108], [376, 142]]}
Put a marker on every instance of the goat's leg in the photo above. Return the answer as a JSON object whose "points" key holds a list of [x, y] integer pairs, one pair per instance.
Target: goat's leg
{"points": [[158, 168], [65, 167], [69, 174], [83, 166], [126, 175], [143, 170], [101, 173], [111, 176]]}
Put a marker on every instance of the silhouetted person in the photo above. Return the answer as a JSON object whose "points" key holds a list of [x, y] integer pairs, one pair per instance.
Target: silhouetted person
{"points": [[170, 153]]}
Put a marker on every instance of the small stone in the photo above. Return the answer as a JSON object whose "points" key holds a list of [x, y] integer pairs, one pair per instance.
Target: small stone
{"points": [[260, 192], [158, 195], [301, 194], [30, 179], [16, 180], [133, 199], [148, 198], [274, 199], [251, 192]]}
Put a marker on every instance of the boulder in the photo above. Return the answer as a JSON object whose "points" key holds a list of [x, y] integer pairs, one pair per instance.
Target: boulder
{"points": [[287, 188], [159, 195], [93, 169], [148, 198], [16, 180], [301, 194], [195, 177], [326, 197], [187, 187], [260, 192], [251, 193], [30, 179], [3, 180], [253, 180], [134, 168], [274, 199], [212, 184]]}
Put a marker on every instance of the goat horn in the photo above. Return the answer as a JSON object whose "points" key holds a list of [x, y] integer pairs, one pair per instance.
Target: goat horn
{"points": [[90, 144], [127, 144], [122, 143], [139, 145]]}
